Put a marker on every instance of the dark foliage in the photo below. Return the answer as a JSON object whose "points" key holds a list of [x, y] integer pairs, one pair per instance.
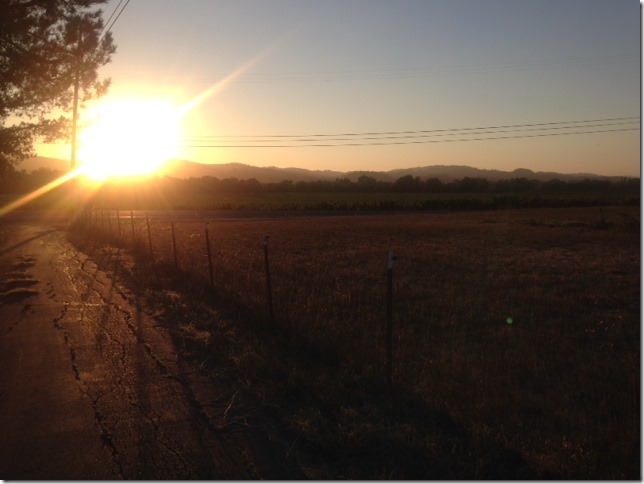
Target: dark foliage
{"points": [[405, 184], [45, 47]]}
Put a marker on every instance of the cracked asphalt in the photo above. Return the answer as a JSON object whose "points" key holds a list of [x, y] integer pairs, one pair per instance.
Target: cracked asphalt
{"points": [[92, 388]]}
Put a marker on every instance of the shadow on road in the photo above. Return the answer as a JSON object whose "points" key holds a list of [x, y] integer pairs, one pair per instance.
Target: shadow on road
{"points": [[149, 418]]}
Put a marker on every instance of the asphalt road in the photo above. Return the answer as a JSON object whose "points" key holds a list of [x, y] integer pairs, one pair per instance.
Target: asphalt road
{"points": [[92, 388]]}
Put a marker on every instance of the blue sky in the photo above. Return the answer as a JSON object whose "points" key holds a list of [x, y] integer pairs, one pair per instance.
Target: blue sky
{"points": [[357, 66]]}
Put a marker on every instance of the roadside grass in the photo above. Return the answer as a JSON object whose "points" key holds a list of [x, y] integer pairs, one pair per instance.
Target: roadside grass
{"points": [[517, 336]]}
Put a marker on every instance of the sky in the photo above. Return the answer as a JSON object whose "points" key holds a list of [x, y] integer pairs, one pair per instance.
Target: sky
{"points": [[391, 84]]}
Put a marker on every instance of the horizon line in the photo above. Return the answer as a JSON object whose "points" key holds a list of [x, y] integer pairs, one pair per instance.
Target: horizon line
{"points": [[171, 160]]}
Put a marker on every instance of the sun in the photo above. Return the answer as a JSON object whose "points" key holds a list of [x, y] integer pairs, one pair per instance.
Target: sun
{"points": [[128, 137]]}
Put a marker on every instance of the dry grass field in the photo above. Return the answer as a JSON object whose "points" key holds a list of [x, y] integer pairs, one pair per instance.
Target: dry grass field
{"points": [[516, 334]]}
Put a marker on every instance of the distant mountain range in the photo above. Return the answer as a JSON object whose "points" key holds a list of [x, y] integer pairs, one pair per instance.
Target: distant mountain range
{"points": [[445, 173]]}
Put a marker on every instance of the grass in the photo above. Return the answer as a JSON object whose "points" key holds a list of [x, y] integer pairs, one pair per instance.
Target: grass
{"points": [[517, 336]]}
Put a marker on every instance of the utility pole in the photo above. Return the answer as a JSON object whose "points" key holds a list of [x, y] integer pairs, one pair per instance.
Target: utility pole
{"points": [[75, 108], [74, 121]]}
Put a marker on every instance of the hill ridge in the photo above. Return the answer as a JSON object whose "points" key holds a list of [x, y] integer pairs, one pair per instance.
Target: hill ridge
{"points": [[268, 174]]}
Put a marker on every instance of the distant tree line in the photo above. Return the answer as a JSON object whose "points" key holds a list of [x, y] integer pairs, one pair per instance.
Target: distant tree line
{"points": [[15, 182], [406, 184]]}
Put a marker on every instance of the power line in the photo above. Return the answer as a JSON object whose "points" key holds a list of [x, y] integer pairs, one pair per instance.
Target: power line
{"points": [[107, 29], [420, 133], [440, 135], [321, 145], [414, 137], [119, 14], [373, 133], [112, 15]]}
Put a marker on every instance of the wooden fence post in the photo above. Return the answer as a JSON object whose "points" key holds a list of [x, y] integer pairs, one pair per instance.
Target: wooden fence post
{"points": [[390, 315], [109, 221], [269, 291], [118, 222], [212, 279]]}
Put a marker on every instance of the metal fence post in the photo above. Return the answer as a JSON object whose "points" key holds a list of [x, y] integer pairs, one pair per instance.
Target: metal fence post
{"points": [[212, 279], [147, 221], [174, 247], [390, 315], [269, 291], [132, 223]]}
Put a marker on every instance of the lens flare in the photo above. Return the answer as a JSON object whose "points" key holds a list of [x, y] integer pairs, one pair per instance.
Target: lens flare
{"points": [[132, 137], [40, 191], [129, 137]]}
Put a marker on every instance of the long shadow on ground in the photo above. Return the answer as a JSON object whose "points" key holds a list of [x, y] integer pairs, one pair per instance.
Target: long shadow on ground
{"points": [[329, 419]]}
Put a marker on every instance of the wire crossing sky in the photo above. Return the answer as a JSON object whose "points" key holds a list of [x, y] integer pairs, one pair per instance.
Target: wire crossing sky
{"points": [[116, 13], [548, 85], [412, 137]]}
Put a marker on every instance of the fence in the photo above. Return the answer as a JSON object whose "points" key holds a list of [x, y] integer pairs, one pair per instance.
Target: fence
{"points": [[320, 298], [459, 282]]}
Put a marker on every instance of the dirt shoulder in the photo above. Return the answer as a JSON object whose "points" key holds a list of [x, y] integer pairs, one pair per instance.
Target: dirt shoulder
{"points": [[93, 386]]}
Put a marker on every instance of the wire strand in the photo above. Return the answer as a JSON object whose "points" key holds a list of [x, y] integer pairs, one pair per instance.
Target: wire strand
{"points": [[108, 20], [324, 145], [554, 128], [114, 21], [525, 126]]}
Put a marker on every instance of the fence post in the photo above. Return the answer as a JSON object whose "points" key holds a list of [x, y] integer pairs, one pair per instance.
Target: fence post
{"points": [[132, 223], [212, 279], [390, 315], [109, 221], [147, 221], [269, 291], [118, 222], [174, 247]]}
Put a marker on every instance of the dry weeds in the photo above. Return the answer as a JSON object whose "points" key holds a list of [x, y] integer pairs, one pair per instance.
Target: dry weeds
{"points": [[517, 337]]}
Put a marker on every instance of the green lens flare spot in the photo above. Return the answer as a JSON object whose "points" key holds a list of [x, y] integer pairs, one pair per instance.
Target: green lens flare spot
{"points": [[509, 320]]}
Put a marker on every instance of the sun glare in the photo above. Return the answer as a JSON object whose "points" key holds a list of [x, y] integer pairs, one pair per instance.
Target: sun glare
{"points": [[128, 137]]}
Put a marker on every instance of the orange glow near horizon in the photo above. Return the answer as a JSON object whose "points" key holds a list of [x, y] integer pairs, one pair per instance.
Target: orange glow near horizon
{"points": [[132, 137], [128, 137]]}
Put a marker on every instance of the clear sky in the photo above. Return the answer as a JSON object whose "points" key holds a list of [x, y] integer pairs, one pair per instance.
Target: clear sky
{"points": [[398, 70]]}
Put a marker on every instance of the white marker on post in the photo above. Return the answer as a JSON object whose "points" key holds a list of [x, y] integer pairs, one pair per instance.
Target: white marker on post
{"points": [[390, 260]]}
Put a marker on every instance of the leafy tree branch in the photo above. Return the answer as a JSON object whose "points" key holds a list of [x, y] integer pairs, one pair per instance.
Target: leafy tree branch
{"points": [[45, 47]]}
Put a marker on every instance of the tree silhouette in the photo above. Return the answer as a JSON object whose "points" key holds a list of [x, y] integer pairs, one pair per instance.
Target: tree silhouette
{"points": [[46, 48]]}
